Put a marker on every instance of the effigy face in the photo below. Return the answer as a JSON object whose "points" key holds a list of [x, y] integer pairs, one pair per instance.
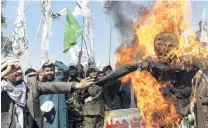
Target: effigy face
{"points": [[163, 44]]}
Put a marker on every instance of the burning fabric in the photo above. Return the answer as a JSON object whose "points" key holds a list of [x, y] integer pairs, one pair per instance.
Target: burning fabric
{"points": [[169, 61]]}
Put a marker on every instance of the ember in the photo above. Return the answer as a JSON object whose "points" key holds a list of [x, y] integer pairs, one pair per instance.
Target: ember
{"points": [[166, 17]]}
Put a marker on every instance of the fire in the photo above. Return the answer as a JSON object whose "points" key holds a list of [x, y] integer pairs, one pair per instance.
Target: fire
{"points": [[155, 110], [166, 16]]}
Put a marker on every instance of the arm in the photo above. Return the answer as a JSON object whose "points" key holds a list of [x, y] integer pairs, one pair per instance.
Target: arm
{"points": [[58, 87], [54, 87], [63, 68], [119, 72], [128, 68]]}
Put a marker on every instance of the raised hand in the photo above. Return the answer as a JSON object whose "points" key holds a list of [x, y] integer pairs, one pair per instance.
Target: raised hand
{"points": [[85, 83], [11, 68]]}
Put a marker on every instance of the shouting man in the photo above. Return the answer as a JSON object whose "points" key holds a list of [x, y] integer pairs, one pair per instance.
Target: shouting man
{"points": [[19, 99]]}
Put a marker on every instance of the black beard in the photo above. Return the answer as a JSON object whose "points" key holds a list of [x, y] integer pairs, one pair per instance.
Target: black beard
{"points": [[48, 78], [19, 82]]}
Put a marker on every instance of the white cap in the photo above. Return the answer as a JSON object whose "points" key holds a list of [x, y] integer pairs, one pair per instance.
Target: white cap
{"points": [[5, 63]]}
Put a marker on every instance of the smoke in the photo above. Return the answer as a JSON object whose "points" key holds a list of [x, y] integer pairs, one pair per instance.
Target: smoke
{"points": [[123, 14]]}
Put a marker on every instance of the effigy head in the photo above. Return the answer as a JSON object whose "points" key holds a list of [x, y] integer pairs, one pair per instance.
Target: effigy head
{"points": [[164, 43]]}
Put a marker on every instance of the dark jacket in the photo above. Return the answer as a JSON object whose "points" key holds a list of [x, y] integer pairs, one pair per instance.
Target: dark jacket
{"points": [[112, 95], [35, 89]]}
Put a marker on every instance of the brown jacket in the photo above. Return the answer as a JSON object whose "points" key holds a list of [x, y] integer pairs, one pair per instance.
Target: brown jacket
{"points": [[35, 89]]}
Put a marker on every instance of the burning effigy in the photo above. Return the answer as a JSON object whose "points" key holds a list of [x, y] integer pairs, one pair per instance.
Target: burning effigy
{"points": [[162, 36]]}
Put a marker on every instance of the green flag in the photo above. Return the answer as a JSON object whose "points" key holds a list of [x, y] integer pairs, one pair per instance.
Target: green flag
{"points": [[72, 32]]}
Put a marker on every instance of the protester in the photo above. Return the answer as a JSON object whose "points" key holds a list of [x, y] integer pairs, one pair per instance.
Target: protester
{"points": [[81, 72], [93, 110], [30, 72], [91, 72], [40, 75], [74, 101], [111, 92], [9, 66], [57, 71], [100, 75], [57, 117], [25, 98]]}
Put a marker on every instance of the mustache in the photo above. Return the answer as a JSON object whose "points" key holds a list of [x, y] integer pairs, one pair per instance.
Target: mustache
{"points": [[20, 81], [48, 77]]}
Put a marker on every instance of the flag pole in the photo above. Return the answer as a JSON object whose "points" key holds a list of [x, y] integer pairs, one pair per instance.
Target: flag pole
{"points": [[80, 53], [34, 41]]}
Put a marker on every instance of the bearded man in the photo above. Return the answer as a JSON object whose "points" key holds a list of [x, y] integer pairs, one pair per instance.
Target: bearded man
{"points": [[20, 99]]}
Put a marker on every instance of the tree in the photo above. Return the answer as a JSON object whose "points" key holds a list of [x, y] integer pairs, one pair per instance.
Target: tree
{"points": [[6, 44]]}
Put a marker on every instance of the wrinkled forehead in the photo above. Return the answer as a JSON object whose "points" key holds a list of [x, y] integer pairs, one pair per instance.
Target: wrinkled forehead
{"points": [[18, 70]]}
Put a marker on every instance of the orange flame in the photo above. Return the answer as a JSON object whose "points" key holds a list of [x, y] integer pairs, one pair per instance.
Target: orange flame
{"points": [[166, 16]]}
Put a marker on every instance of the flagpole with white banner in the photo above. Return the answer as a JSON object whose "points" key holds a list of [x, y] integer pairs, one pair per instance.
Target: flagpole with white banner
{"points": [[19, 34], [46, 7], [48, 15], [83, 8]]}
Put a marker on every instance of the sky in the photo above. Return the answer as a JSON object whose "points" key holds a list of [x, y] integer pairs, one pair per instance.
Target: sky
{"points": [[101, 25]]}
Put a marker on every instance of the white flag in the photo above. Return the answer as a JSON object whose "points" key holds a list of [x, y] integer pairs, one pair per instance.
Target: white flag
{"points": [[89, 31], [82, 8], [63, 12], [19, 34], [46, 7], [74, 56]]}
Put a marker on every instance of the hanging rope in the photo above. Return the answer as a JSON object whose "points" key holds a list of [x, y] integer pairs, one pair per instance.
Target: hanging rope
{"points": [[13, 29], [34, 41]]}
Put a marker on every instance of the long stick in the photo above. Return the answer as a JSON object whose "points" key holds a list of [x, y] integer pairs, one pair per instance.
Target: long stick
{"points": [[34, 41], [86, 46], [106, 42], [80, 53]]}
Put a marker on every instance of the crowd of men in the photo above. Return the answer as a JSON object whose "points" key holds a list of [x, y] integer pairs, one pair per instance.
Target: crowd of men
{"points": [[58, 96]]}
